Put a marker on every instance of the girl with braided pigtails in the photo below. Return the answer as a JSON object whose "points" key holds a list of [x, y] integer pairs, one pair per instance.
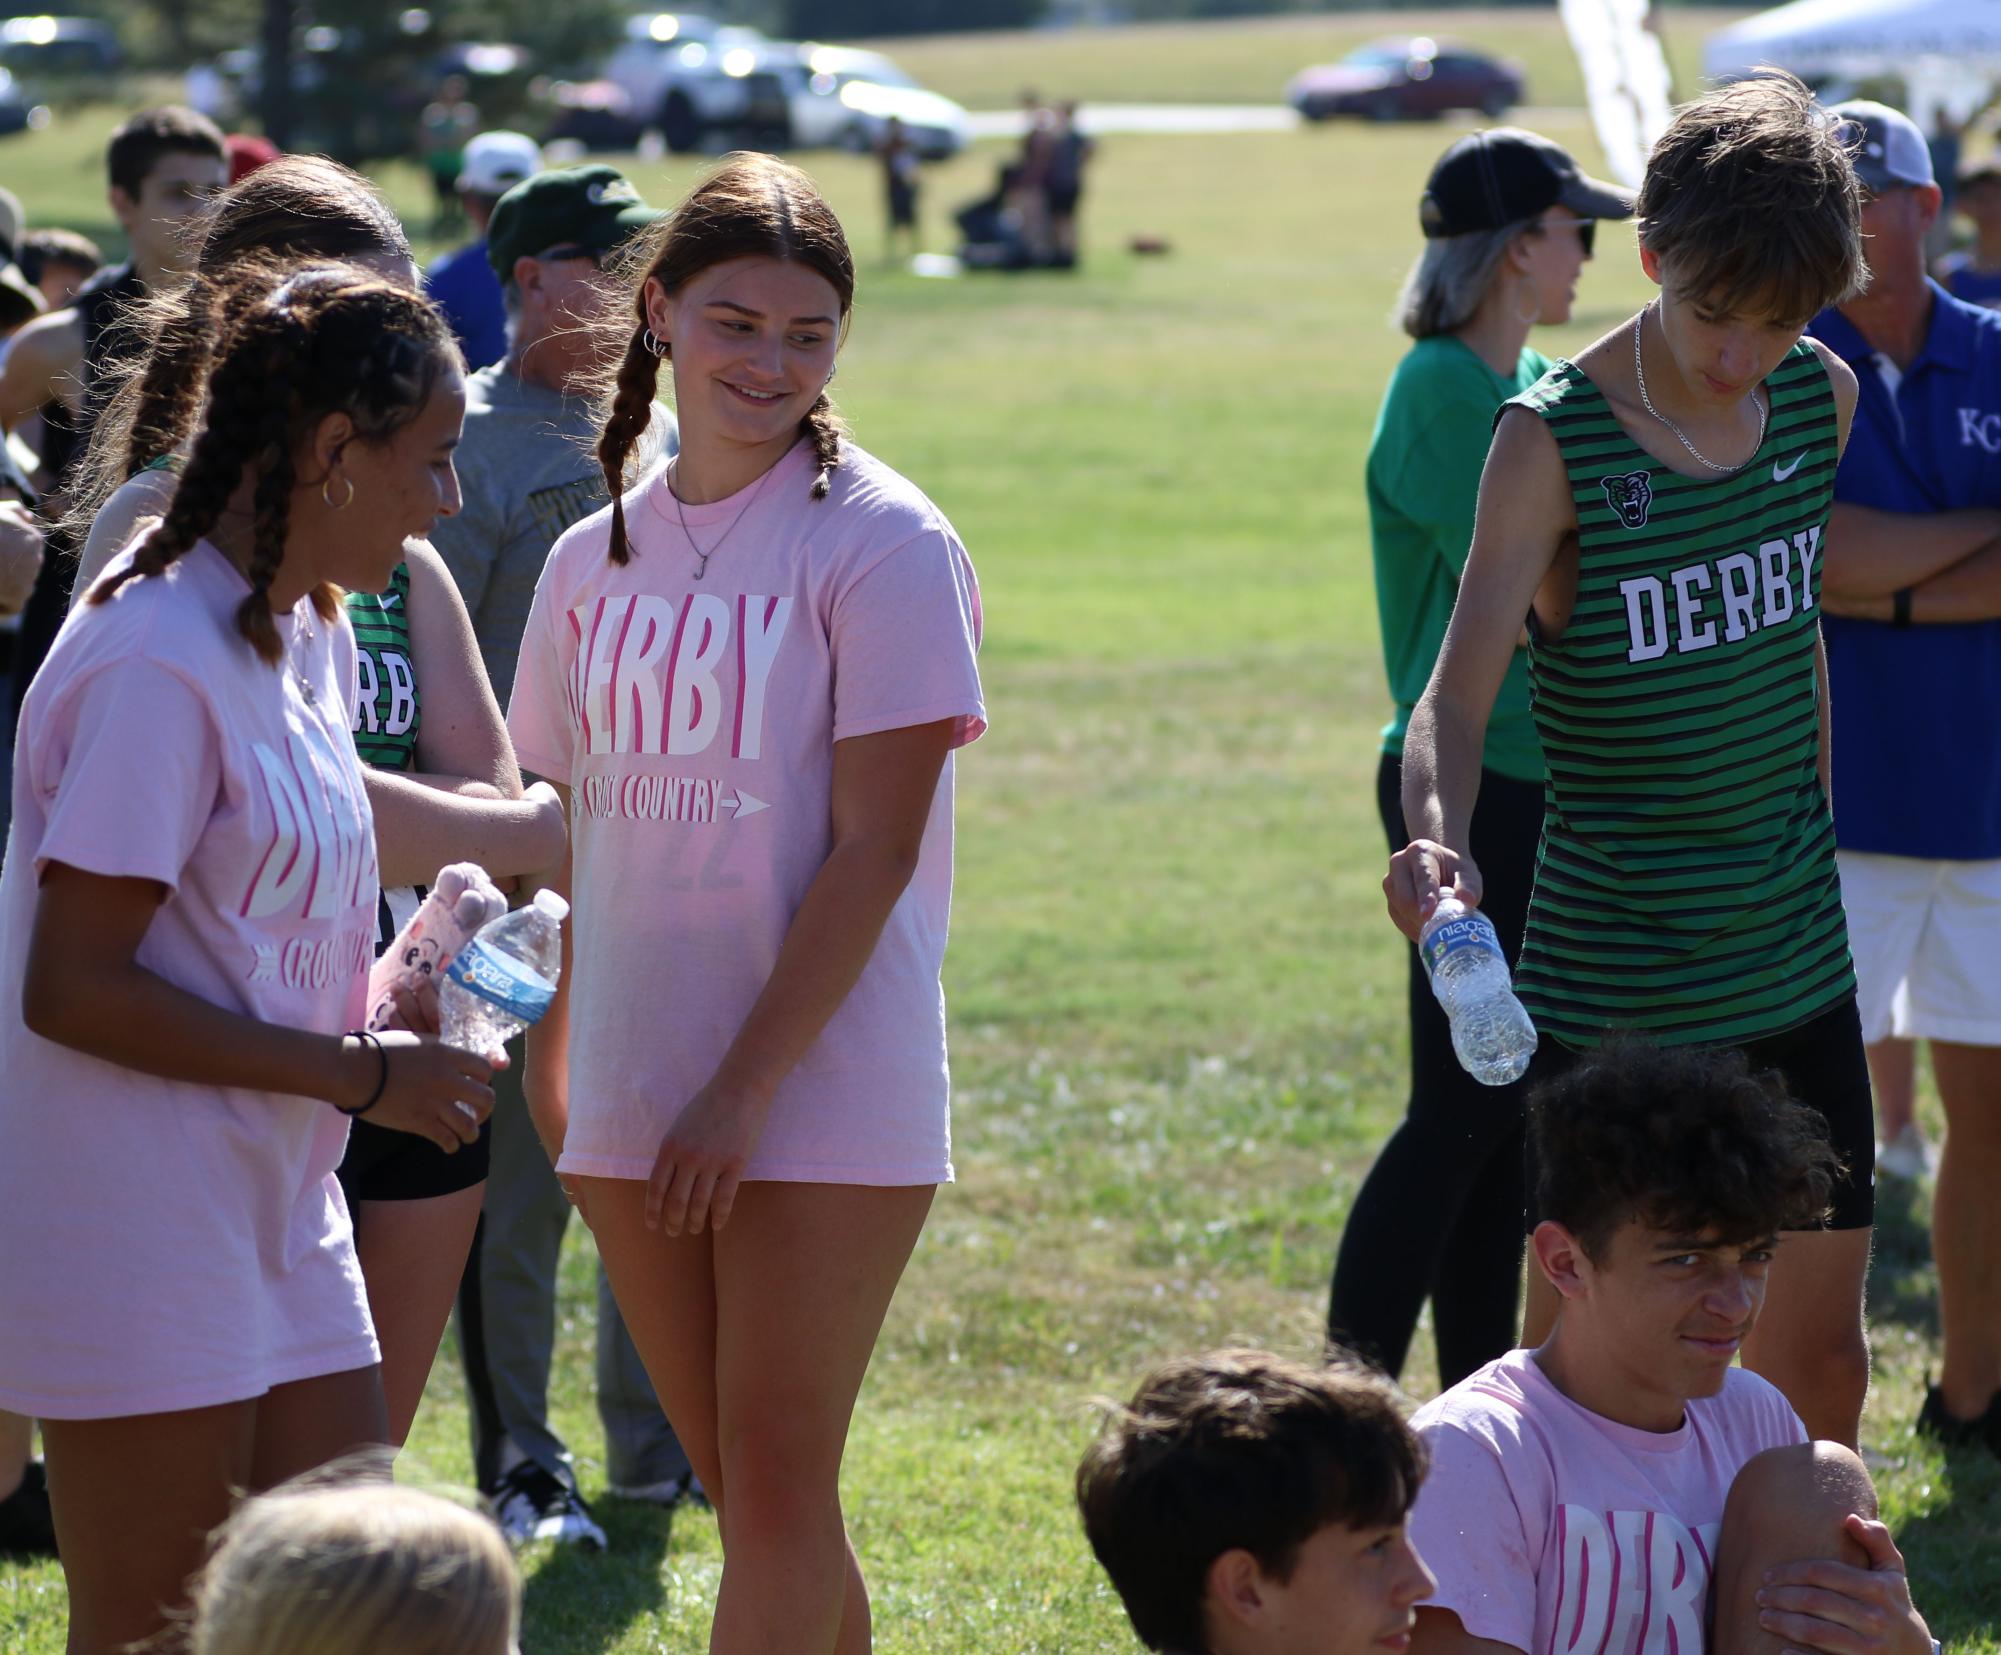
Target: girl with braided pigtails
{"points": [[442, 783], [187, 918], [749, 674]]}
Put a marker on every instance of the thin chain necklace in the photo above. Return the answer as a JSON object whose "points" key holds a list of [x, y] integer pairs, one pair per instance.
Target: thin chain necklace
{"points": [[681, 511], [1639, 373]]}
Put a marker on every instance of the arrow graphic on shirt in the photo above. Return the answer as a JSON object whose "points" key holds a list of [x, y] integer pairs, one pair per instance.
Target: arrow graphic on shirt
{"points": [[266, 968], [746, 804]]}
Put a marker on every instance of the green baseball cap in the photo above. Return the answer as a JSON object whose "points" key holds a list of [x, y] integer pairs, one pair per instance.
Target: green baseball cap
{"points": [[593, 207]]}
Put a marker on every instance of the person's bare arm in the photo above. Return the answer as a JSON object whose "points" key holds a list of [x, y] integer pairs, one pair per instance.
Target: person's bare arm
{"points": [[20, 554], [1969, 591], [466, 804], [1525, 514], [463, 733], [42, 365], [138, 498], [424, 822], [545, 1073], [1441, 1632], [84, 988], [1871, 554], [883, 786]]}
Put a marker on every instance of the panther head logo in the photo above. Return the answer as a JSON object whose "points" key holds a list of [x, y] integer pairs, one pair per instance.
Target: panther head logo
{"points": [[1629, 494]]}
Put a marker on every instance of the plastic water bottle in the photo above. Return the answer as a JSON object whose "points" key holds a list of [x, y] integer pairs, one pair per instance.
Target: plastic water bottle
{"points": [[504, 978], [1491, 1033]]}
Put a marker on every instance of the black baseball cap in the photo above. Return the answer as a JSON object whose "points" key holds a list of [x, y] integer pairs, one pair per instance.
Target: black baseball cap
{"points": [[593, 207], [1491, 179]]}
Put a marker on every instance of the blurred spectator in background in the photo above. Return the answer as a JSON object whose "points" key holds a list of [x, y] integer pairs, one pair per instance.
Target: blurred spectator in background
{"points": [[1070, 151], [59, 263], [898, 155], [20, 302], [1030, 185], [163, 164], [1945, 146], [1974, 273], [462, 283], [1913, 540], [247, 151], [444, 129]]}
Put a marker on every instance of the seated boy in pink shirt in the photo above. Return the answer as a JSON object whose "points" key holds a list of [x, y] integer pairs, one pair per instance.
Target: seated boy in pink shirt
{"points": [[1248, 1505], [1622, 1489]]}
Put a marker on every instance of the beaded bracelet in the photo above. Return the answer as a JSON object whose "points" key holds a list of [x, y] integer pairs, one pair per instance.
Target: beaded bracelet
{"points": [[381, 1074]]}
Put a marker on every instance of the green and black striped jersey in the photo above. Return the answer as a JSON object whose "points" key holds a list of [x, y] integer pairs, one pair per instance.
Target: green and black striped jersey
{"points": [[1686, 885], [386, 709]]}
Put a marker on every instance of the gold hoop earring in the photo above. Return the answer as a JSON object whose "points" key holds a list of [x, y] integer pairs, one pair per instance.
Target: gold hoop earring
{"points": [[326, 494]]}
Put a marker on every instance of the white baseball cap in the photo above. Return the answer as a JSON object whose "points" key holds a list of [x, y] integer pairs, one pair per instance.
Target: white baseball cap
{"points": [[496, 161], [1887, 146]]}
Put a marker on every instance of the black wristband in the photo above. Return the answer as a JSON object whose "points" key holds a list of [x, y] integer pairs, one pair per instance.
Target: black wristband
{"points": [[1900, 607], [381, 1072]]}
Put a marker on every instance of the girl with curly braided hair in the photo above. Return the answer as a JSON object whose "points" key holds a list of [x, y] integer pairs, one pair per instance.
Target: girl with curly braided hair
{"points": [[187, 919], [442, 783], [752, 670]]}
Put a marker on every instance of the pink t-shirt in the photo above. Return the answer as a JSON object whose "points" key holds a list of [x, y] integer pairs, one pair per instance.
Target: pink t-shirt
{"points": [[1560, 1532], [168, 1245], [695, 720]]}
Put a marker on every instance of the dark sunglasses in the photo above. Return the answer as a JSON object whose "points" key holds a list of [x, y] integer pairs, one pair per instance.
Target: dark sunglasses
{"points": [[1586, 228]]}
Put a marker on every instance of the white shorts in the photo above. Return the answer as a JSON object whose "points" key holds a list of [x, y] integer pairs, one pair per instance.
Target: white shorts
{"points": [[1926, 936]]}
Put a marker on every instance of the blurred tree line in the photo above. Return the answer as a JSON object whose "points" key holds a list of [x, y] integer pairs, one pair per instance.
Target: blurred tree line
{"points": [[567, 34]]}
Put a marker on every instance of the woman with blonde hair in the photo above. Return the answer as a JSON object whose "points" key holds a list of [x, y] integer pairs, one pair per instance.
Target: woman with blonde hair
{"points": [[357, 1569]]}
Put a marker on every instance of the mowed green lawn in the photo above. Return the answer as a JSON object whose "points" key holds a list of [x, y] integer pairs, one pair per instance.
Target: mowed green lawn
{"points": [[1176, 1002]]}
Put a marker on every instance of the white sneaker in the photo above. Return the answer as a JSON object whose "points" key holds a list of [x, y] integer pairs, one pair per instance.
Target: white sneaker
{"points": [[533, 1504], [1908, 1155], [668, 1493]]}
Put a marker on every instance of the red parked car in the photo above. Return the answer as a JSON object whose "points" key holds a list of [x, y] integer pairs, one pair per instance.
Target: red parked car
{"points": [[1404, 79]]}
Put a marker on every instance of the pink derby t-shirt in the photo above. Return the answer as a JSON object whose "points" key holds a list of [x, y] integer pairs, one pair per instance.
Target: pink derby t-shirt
{"points": [[695, 721], [168, 1245], [1559, 1532]]}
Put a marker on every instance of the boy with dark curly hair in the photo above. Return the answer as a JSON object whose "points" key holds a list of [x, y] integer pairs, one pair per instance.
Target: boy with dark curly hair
{"points": [[1622, 1488], [1248, 1505]]}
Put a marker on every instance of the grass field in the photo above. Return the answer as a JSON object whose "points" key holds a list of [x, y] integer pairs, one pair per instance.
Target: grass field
{"points": [[1176, 1003]]}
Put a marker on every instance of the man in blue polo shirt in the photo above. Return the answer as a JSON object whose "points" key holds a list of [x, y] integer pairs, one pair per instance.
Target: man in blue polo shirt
{"points": [[1912, 586], [461, 283]]}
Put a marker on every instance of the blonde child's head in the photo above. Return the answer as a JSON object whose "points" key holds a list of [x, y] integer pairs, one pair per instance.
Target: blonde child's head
{"points": [[358, 1569]]}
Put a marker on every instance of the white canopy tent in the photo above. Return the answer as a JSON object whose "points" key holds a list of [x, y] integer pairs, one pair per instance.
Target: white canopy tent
{"points": [[1947, 51]]}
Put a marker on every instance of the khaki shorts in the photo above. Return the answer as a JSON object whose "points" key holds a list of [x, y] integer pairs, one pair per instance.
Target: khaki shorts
{"points": [[1926, 936]]}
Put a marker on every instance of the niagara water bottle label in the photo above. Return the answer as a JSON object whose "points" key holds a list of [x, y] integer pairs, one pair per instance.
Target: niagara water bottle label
{"points": [[481, 969], [1472, 931]]}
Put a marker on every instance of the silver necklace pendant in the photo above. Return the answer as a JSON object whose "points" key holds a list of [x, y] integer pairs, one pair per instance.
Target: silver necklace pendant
{"points": [[1640, 376], [681, 511]]}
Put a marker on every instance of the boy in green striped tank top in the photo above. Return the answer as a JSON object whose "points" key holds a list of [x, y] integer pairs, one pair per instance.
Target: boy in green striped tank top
{"points": [[1657, 509]]}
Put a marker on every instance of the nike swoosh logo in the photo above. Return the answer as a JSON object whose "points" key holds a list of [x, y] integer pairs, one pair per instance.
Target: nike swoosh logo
{"points": [[1781, 473]]}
